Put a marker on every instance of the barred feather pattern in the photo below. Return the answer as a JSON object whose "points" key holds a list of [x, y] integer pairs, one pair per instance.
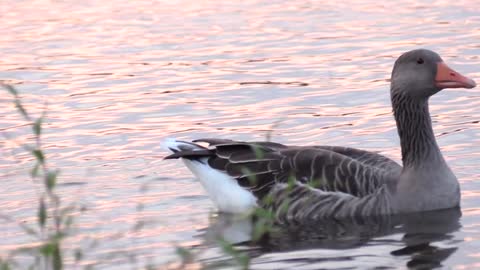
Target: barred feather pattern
{"points": [[414, 128], [328, 181], [299, 202], [367, 158], [258, 166]]}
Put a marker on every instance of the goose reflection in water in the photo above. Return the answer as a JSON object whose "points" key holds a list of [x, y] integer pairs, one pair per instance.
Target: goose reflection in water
{"points": [[424, 239]]}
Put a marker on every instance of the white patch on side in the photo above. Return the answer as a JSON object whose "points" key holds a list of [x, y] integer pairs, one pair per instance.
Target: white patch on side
{"points": [[224, 190]]}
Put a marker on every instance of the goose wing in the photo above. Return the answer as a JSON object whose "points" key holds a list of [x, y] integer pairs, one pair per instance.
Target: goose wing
{"points": [[300, 203], [258, 166], [368, 158]]}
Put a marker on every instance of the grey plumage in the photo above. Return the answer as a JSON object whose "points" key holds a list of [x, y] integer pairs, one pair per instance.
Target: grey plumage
{"points": [[315, 182], [327, 180]]}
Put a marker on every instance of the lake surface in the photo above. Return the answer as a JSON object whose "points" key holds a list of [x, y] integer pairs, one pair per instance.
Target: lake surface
{"points": [[119, 77]]}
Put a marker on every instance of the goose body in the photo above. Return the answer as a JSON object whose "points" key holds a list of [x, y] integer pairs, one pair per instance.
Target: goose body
{"points": [[317, 182]]}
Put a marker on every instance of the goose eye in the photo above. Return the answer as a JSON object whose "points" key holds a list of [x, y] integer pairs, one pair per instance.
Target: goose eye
{"points": [[420, 60]]}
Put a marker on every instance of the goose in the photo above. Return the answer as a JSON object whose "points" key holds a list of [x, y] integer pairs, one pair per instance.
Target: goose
{"points": [[315, 182]]}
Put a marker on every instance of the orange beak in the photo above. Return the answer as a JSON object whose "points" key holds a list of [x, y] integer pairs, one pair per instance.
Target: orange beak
{"points": [[449, 78]]}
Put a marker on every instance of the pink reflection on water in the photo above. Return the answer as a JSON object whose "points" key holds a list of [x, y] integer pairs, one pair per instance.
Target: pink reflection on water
{"points": [[120, 78]]}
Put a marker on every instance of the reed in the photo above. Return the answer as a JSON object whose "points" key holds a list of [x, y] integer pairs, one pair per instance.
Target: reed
{"points": [[56, 219]]}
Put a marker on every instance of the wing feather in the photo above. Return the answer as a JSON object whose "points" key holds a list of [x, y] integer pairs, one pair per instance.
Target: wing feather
{"points": [[300, 203], [258, 166]]}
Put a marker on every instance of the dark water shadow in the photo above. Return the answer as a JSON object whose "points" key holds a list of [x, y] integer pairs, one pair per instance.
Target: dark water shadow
{"points": [[419, 245]]}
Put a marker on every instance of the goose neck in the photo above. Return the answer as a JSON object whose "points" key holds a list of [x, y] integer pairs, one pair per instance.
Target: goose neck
{"points": [[417, 140]]}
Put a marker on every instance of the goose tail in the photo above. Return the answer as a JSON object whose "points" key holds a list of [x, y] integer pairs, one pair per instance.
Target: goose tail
{"points": [[184, 149], [223, 190], [173, 145]]}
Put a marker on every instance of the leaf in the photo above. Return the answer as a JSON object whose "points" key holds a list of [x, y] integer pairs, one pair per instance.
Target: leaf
{"points": [[21, 109], [184, 254], [265, 220], [42, 213], [39, 155], [59, 235], [242, 259], [264, 224], [315, 183], [52, 250], [268, 135], [252, 178], [259, 152], [78, 255], [34, 171], [227, 247], [268, 200], [57, 257], [48, 248], [51, 180], [10, 89], [37, 126], [4, 265], [291, 183], [283, 209], [68, 222]]}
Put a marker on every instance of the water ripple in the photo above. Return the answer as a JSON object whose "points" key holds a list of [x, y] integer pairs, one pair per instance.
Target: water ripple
{"points": [[120, 78]]}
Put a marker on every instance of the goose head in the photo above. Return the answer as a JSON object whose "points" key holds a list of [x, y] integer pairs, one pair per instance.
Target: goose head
{"points": [[421, 73]]}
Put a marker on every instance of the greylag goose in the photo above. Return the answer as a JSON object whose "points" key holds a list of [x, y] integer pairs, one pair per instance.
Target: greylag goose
{"points": [[317, 182]]}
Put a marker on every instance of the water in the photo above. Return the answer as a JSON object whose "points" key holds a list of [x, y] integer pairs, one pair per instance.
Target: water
{"points": [[120, 77]]}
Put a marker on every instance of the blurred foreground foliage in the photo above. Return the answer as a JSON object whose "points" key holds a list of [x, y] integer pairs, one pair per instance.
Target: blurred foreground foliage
{"points": [[55, 220]]}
